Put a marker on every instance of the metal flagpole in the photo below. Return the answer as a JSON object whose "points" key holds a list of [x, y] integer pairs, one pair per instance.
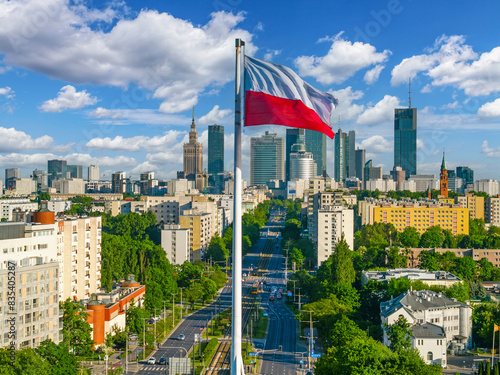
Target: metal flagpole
{"points": [[236, 359]]}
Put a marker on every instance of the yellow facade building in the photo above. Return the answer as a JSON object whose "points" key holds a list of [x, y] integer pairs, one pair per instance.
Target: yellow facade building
{"points": [[474, 204], [454, 219]]}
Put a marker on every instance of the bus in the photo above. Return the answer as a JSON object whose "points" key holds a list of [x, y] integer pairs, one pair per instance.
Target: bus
{"points": [[255, 287]]}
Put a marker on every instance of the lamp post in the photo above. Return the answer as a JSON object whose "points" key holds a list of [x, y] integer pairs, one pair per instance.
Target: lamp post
{"points": [[173, 309], [155, 326], [182, 305], [143, 338], [165, 319]]}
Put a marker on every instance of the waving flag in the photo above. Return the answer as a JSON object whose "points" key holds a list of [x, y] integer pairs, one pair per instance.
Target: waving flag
{"points": [[276, 95]]}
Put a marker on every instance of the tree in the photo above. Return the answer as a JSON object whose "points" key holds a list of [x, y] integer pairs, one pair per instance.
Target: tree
{"points": [[217, 249], [460, 291], [342, 267], [430, 260], [44, 196], [466, 268], [29, 362], [60, 360], [76, 329], [476, 290], [396, 258], [450, 241], [409, 237], [432, 237], [295, 256], [399, 334]]}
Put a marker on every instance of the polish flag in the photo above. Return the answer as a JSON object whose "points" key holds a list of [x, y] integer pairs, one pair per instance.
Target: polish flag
{"points": [[276, 95]]}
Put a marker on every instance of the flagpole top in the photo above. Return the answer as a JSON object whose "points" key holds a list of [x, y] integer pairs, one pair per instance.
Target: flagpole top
{"points": [[239, 43]]}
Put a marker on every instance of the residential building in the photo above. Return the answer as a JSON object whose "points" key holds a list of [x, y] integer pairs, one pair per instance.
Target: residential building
{"points": [[96, 187], [175, 243], [381, 185], [107, 311], [425, 182], [375, 173], [10, 175], [267, 159], [93, 173], [56, 169], [430, 341], [75, 171], [193, 158], [180, 186], [442, 278], [216, 156], [405, 139], [490, 187], [491, 255], [7, 206], [118, 183], [492, 211], [58, 206], [398, 175], [425, 306], [71, 186], [23, 186], [474, 204], [293, 136], [199, 225], [316, 144]]}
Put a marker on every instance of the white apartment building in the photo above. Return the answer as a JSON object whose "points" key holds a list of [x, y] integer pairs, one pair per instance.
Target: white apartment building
{"points": [[430, 341], [409, 185], [425, 306], [180, 186], [443, 278], [490, 187], [9, 205], [332, 223], [58, 206], [423, 182], [93, 173], [381, 185], [176, 243], [24, 186], [492, 211], [72, 186]]}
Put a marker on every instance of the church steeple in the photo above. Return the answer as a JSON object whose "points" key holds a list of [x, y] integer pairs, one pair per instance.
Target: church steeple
{"points": [[443, 180], [443, 165]]}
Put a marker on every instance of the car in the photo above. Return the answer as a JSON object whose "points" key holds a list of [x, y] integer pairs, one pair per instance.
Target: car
{"points": [[151, 361], [150, 321], [271, 298], [181, 337], [244, 275], [162, 361]]}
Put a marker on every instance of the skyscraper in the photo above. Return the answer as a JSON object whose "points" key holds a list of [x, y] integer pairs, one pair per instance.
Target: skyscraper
{"points": [[340, 162], [93, 173], [56, 169], [193, 155], [293, 136], [75, 171], [467, 176], [216, 156], [118, 182], [267, 159], [302, 165], [10, 175], [360, 165], [368, 166], [316, 144], [405, 139], [350, 154]]}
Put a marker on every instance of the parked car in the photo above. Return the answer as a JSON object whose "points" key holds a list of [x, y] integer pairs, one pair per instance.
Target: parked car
{"points": [[151, 361]]}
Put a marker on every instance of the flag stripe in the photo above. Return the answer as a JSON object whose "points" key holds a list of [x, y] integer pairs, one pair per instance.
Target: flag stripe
{"points": [[264, 109]]}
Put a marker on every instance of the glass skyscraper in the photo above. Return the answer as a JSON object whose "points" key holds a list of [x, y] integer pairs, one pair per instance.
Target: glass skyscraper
{"points": [[293, 136], [316, 144], [405, 140], [216, 155], [56, 169], [267, 159]]}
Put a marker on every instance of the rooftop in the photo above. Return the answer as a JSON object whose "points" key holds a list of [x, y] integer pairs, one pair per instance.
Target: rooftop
{"points": [[409, 273], [428, 331]]}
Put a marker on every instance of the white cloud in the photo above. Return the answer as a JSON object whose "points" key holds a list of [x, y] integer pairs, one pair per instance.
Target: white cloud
{"points": [[137, 116], [12, 140], [342, 61], [137, 143], [383, 111], [451, 62], [186, 58], [376, 145], [372, 75], [420, 143], [7, 92], [490, 110], [426, 89], [216, 115], [271, 54], [68, 98], [490, 152], [453, 105], [346, 109]]}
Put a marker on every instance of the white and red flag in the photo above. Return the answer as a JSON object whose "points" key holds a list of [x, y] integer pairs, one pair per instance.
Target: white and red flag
{"points": [[276, 95]]}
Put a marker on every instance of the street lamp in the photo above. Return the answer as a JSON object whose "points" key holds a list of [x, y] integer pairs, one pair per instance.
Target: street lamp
{"points": [[143, 338], [173, 309], [182, 305], [154, 318]]}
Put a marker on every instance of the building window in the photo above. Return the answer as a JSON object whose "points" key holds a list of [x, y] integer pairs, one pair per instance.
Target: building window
{"points": [[430, 357]]}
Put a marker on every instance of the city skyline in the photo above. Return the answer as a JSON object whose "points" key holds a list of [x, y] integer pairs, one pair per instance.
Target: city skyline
{"points": [[82, 106]]}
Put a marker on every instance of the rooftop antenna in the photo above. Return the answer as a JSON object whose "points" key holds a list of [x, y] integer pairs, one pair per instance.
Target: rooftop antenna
{"points": [[409, 92]]}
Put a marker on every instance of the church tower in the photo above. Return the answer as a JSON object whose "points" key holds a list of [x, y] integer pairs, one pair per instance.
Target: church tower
{"points": [[193, 155], [443, 180]]}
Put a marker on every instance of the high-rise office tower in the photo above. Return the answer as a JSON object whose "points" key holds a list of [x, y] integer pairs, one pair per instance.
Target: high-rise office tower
{"points": [[75, 171], [216, 156], [405, 138], [10, 175], [193, 154], [40, 177], [302, 165], [56, 169], [345, 155], [316, 144], [293, 136], [350, 154], [360, 165], [467, 176], [267, 159], [118, 182], [368, 166], [93, 173]]}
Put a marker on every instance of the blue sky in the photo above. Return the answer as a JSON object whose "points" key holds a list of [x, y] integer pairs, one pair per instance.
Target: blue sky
{"points": [[113, 83]]}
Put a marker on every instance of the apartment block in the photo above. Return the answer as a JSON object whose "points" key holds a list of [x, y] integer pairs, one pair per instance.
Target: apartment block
{"points": [[176, 243], [429, 277], [491, 255], [492, 211], [7, 206], [200, 229], [474, 204]]}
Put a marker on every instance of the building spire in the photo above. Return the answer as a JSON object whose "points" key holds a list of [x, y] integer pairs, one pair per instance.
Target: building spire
{"points": [[409, 92], [192, 123], [443, 165]]}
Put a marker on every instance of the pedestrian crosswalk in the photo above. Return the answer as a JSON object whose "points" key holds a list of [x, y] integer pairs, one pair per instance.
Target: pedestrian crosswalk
{"points": [[152, 368]]}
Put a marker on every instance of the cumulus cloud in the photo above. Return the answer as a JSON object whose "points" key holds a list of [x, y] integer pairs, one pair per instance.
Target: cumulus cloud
{"points": [[453, 105], [342, 61], [372, 75], [451, 62], [346, 109], [271, 54], [376, 145], [7, 92], [68, 98], [137, 143], [186, 59], [489, 110], [383, 111], [490, 152], [12, 140], [216, 115]]}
